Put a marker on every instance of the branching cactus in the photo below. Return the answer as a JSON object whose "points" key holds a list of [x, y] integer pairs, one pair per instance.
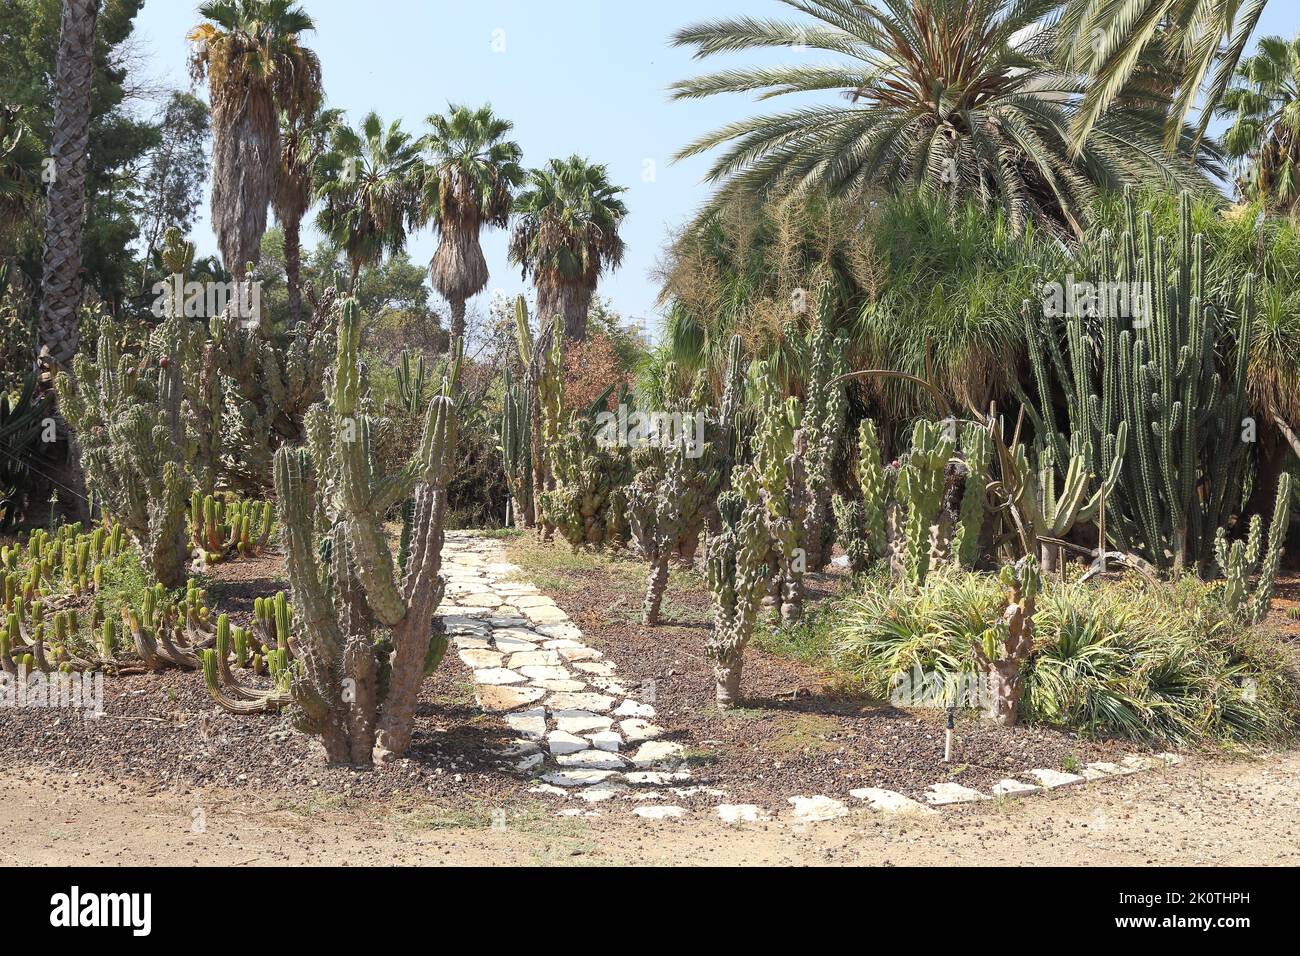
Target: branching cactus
{"points": [[354, 690], [1241, 559], [861, 524], [920, 491], [413, 383], [977, 450], [1006, 647], [131, 418], [737, 576], [824, 406], [780, 445]]}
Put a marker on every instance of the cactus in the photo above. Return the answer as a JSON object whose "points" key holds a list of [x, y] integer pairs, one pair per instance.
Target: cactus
{"points": [[977, 449], [1165, 377], [412, 383], [271, 620], [1241, 559], [1004, 648], [357, 692], [920, 491], [220, 528], [862, 524], [780, 446], [131, 419], [823, 421], [737, 577], [516, 449]]}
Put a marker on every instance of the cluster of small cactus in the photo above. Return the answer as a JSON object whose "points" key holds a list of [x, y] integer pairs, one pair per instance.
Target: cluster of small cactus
{"points": [[1005, 647], [220, 527], [170, 632], [66, 560], [1241, 559], [352, 686], [1177, 378], [266, 648]]}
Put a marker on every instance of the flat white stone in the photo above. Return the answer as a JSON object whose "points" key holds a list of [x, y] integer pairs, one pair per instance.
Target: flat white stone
{"points": [[606, 740], [741, 813], [455, 624], [505, 620], [592, 760], [535, 659], [501, 568], [941, 794], [543, 673], [632, 708], [1101, 768], [560, 742], [530, 600], [488, 599], [654, 752], [636, 730], [1170, 760], [817, 809], [580, 653], [659, 812], [656, 778], [555, 643], [1013, 788], [580, 721], [471, 643], [549, 790], [1136, 762], [498, 675], [599, 668], [531, 723], [608, 685], [521, 748], [561, 686], [1055, 778], [511, 645], [576, 777], [546, 614], [561, 630], [530, 762], [595, 702], [449, 611], [479, 658], [602, 791], [890, 801], [494, 698]]}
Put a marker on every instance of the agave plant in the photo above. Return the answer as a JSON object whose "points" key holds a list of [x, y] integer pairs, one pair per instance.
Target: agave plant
{"points": [[960, 97], [1264, 139]]}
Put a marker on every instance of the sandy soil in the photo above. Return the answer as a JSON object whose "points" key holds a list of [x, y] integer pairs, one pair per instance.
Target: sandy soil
{"points": [[1202, 813]]}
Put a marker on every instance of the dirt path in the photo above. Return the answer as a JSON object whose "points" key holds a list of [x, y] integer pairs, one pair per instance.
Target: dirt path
{"points": [[1201, 813]]}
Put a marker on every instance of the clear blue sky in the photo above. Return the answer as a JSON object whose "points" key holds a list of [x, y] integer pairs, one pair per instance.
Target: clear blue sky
{"points": [[584, 76]]}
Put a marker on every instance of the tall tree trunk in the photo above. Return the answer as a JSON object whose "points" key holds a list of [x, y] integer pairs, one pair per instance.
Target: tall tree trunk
{"points": [[293, 268], [61, 286], [61, 289], [457, 319], [570, 300]]}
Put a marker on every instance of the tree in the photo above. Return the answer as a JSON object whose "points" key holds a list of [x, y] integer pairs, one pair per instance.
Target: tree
{"points": [[61, 287], [1264, 139], [175, 172], [255, 66], [304, 137], [469, 183], [955, 97], [369, 188], [1110, 42], [566, 236]]}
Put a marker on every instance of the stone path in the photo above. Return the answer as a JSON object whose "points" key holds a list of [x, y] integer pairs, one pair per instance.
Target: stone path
{"points": [[588, 739]]}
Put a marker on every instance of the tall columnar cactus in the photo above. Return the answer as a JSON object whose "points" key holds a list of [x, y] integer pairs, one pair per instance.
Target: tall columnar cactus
{"points": [[920, 491], [977, 450], [357, 692], [1005, 647], [737, 576], [862, 524], [1047, 513], [1241, 559], [780, 447], [412, 382], [543, 394], [823, 422], [1175, 374], [516, 434], [131, 416]]}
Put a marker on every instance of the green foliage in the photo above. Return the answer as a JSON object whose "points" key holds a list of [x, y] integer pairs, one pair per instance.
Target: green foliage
{"points": [[920, 492], [1241, 559]]}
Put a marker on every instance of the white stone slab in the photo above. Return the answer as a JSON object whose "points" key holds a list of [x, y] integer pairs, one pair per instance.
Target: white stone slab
{"points": [[817, 809], [889, 801]]}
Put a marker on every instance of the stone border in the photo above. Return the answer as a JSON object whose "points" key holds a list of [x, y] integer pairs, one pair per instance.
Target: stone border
{"points": [[587, 736]]}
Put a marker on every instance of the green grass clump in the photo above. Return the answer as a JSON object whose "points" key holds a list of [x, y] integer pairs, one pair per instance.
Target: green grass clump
{"points": [[1159, 663]]}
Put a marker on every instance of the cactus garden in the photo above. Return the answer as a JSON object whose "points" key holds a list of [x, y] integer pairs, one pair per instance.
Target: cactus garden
{"points": [[871, 464]]}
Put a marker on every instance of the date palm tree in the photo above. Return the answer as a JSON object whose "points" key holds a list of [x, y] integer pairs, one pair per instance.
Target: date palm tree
{"points": [[958, 97], [65, 204], [566, 237], [469, 183], [304, 138], [1264, 139], [1112, 40], [256, 68], [370, 190]]}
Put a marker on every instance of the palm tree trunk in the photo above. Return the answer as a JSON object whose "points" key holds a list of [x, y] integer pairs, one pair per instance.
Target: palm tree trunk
{"points": [[61, 289], [293, 268], [457, 319]]}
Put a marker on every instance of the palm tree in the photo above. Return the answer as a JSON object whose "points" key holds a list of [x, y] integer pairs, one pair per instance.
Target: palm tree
{"points": [[566, 236], [958, 97], [469, 183], [19, 173], [1113, 40], [256, 68], [303, 140], [66, 198], [1264, 139], [370, 190]]}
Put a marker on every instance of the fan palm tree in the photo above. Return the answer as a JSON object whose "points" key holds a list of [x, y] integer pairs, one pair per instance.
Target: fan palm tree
{"points": [[1264, 139], [469, 183], [256, 68], [1110, 40], [304, 138], [19, 171], [370, 190], [566, 236], [66, 197], [958, 97]]}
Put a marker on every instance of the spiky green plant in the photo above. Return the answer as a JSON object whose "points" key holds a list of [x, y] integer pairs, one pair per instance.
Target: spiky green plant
{"points": [[920, 492]]}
